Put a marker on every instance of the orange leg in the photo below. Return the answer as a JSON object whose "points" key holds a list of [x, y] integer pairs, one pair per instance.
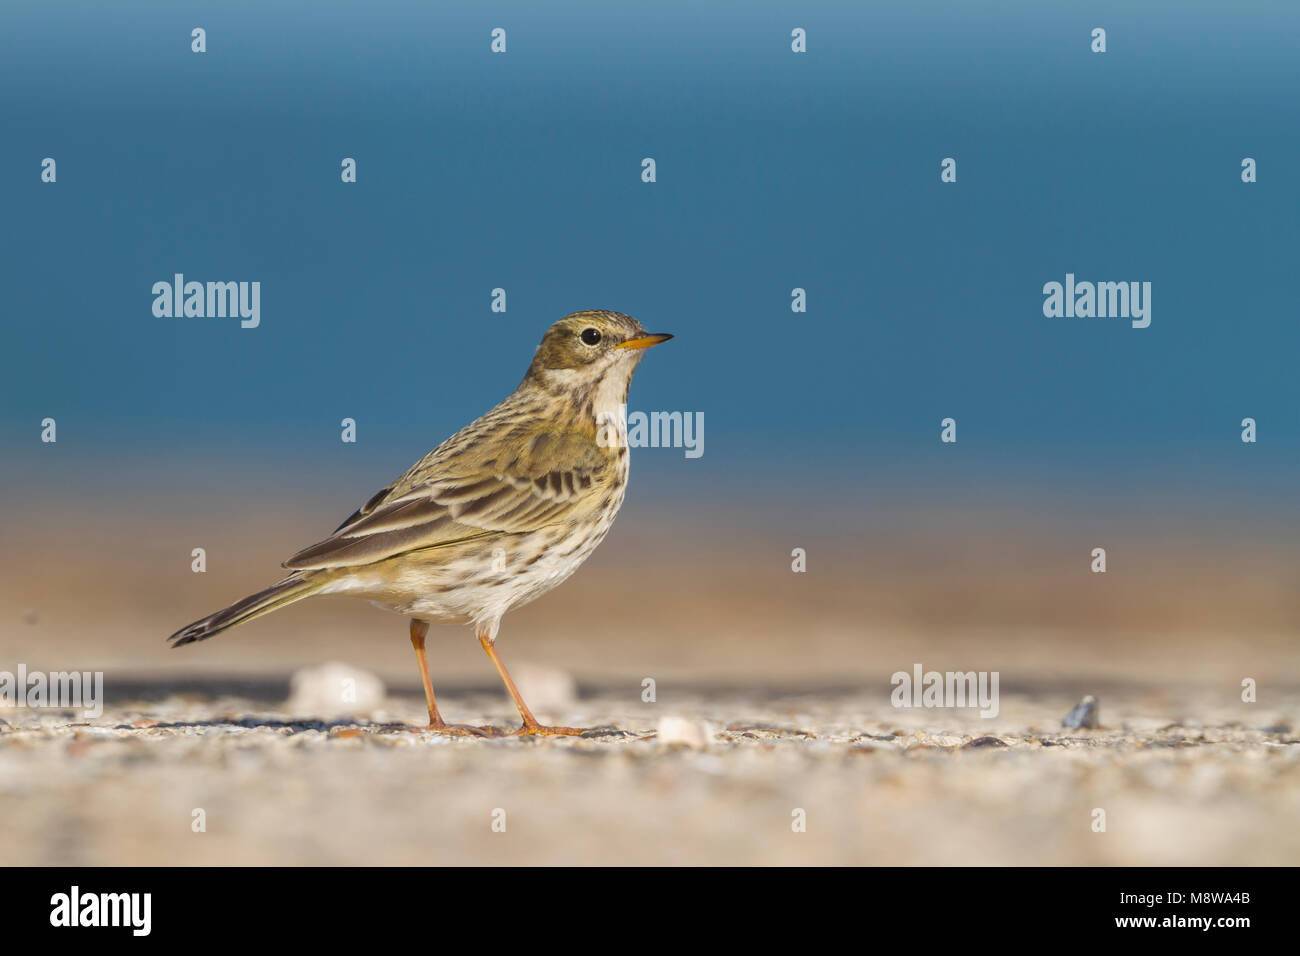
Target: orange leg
{"points": [[418, 631], [531, 727]]}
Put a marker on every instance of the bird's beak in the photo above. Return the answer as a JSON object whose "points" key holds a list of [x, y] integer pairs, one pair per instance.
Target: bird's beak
{"points": [[645, 341]]}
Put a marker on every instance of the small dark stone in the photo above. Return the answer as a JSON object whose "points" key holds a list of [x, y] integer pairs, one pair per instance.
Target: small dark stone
{"points": [[605, 731], [985, 742], [1086, 713]]}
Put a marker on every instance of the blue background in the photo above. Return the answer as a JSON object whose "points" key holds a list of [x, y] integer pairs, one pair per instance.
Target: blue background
{"points": [[775, 170]]}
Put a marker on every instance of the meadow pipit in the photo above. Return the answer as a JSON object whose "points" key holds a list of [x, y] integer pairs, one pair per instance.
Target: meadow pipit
{"points": [[498, 514]]}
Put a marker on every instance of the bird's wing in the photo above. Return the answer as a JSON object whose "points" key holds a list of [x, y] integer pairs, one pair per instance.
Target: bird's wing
{"points": [[473, 487]]}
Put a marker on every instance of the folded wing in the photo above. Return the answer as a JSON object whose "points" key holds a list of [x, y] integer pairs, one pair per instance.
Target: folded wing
{"points": [[475, 486]]}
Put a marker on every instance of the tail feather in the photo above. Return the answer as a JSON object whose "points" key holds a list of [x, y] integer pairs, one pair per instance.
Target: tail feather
{"points": [[293, 588]]}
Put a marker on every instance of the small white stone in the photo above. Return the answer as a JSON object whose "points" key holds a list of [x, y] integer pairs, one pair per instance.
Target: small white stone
{"points": [[684, 732], [334, 690]]}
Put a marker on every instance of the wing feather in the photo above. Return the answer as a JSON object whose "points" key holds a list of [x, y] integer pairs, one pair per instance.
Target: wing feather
{"points": [[484, 482]]}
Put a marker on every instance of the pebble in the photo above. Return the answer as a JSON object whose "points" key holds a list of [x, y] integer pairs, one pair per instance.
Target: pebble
{"points": [[684, 732], [334, 690], [1086, 713]]}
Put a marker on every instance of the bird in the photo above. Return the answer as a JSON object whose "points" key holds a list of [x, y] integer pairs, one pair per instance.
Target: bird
{"points": [[497, 515]]}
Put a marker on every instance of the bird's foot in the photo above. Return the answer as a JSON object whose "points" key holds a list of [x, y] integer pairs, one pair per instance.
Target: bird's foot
{"points": [[534, 729]]}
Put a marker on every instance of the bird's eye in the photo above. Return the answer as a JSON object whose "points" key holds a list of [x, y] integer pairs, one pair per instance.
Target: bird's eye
{"points": [[591, 336]]}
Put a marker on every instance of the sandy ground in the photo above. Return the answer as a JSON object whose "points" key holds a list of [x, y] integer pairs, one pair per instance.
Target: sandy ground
{"points": [[1193, 777], [788, 672]]}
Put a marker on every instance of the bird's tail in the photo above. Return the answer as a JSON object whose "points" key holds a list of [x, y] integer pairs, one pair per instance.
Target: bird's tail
{"points": [[293, 588]]}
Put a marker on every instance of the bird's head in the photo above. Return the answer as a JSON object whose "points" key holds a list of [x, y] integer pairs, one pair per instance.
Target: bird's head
{"points": [[586, 348]]}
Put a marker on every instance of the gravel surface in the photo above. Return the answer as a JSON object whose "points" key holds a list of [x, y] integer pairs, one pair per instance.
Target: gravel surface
{"points": [[719, 777]]}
